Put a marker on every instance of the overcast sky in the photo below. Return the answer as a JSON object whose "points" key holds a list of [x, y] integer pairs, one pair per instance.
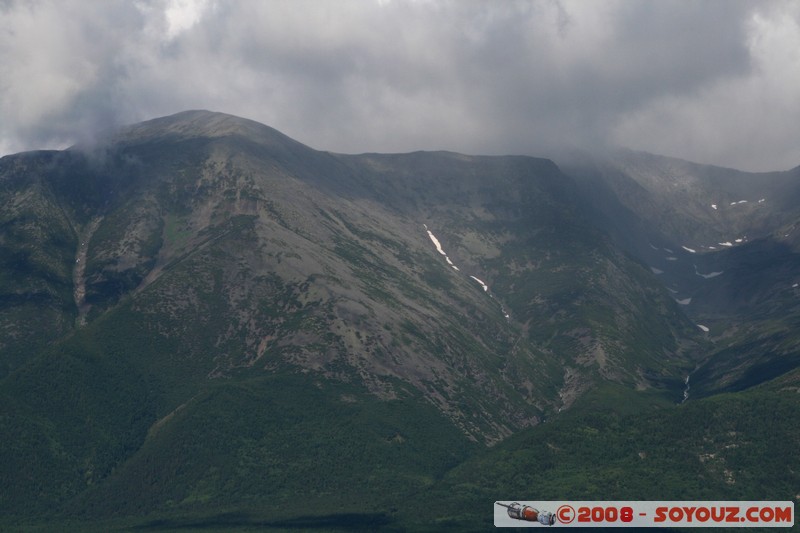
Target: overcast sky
{"points": [[709, 81]]}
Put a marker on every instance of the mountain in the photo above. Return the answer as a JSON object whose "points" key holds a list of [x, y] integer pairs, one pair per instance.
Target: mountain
{"points": [[208, 324], [722, 241]]}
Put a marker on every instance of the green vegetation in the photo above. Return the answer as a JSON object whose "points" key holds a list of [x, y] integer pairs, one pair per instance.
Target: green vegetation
{"points": [[703, 450], [281, 443], [324, 455]]}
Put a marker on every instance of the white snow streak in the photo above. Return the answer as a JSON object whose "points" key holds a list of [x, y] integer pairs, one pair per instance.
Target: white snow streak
{"points": [[685, 301], [704, 328], [485, 287], [714, 207], [656, 271], [436, 243], [689, 250], [439, 249]]}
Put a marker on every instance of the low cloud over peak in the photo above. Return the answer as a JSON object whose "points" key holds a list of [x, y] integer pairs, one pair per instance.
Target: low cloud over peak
{"points": [[714, 82]]}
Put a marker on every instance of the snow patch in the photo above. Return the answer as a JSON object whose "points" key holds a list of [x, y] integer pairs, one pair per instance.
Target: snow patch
{"points": [[739, 202], [656, 271], [709, 275], [714, 207], [485, 287], [685, 301], [689, 250], [436, 243], [671, 258], [439, 249], [738, 240], [704, 328], [762, 200]]}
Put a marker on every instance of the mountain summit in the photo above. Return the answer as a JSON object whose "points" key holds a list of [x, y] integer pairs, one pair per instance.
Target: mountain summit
{"points": [[199, 124]]}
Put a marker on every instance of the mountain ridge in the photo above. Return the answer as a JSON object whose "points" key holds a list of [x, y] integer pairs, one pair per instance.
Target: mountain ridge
{"points": [[153, 216]]}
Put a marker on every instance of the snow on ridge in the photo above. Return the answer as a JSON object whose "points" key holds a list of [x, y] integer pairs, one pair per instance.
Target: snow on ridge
{"points": [[726, 243], [685, 301], [704, 328], [739, 202], [689, 250]]}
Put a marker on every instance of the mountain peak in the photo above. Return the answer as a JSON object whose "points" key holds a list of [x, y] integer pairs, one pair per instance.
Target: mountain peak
{"points": [[200, 123]]}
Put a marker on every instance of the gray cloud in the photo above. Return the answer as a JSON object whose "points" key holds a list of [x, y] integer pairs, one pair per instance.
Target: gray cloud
{"points": [[708, 81]]}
